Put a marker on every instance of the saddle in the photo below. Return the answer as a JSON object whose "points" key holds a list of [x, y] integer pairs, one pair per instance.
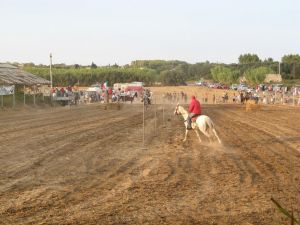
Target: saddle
{"points": [[195, 118]]}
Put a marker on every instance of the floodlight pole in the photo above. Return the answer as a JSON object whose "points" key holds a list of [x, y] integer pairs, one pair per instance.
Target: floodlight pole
{"points": [[51, 70]]}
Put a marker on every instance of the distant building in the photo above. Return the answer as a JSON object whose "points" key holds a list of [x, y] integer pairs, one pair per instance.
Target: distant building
{"points": [[274, 78]]}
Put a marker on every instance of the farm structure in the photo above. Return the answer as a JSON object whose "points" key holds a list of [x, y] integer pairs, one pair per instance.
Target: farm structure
{"points": [[13, 78]]}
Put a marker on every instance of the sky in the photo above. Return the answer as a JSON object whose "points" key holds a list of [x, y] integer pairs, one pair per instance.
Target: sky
{"points": [[120, 31]]}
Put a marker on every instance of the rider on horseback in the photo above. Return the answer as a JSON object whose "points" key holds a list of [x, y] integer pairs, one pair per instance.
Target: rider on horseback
{"points": [[194, 110]]}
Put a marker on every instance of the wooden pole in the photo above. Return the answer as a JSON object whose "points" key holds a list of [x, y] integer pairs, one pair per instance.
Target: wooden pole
{"points": [[294, 94], [163, 109], [2, 98], [144, 147], [24, 96], [34, 95], [51, 81], [155, 116], [143, 124], [14, 97]]}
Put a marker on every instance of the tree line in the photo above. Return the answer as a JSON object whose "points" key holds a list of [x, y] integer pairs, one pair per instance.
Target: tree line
{"points": [[172, 72]]}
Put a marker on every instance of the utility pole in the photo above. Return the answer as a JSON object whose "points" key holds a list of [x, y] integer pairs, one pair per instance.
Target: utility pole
{"points": [[51, 70], [279, 67]]}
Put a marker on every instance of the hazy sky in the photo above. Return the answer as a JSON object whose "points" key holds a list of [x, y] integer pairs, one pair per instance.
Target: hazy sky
{"points": [[124, 30]]}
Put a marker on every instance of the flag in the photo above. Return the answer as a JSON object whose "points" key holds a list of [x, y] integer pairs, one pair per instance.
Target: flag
{"points": [[105, 85]]}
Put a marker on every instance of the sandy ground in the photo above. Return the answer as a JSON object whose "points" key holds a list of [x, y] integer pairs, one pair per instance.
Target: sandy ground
{"points": [[86, 165]]}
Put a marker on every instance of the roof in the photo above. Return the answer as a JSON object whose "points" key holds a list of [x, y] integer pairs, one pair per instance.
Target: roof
{"points": [[12, 75], [5, 65]]}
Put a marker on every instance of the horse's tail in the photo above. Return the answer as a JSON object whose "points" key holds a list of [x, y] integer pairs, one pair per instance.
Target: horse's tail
{"points": [[209, 126], [210, 123], [212, 130]]}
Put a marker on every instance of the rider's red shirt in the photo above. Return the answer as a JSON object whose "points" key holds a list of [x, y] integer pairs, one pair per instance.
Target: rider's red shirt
{"points": [[195, 107]]}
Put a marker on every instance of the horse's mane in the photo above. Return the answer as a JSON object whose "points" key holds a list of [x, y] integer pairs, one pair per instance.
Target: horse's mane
{"points": [[182, 109]]}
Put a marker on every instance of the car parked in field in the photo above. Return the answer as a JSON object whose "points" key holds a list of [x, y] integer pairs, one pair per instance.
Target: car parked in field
{"points": [[201, 83], [234, 87], [250, 90], [211, 85], [242, 87], [278, 87]]}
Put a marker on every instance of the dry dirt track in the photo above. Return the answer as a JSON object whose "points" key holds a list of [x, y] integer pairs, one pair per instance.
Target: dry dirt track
{"points": [[86, 166]]}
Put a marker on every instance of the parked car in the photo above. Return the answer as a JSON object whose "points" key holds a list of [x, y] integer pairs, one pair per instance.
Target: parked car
{"points": [[211, 85], [225, 86], [250, 90], [201, 83], [242, 87], [234, 87], [277, 87]]}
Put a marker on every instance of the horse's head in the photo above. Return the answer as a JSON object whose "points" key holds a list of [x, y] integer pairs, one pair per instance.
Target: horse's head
{"points": [[177, 112]]}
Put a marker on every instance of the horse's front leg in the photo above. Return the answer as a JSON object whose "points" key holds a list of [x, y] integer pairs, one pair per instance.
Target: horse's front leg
{"points": [[186, 132], [198, 134]]}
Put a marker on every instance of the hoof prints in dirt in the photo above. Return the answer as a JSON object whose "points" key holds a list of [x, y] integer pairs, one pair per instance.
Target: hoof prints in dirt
{"points": [[86, 166]]}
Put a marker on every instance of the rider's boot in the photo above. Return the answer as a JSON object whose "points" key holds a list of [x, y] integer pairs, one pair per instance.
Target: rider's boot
{"points": [[189, 124]]}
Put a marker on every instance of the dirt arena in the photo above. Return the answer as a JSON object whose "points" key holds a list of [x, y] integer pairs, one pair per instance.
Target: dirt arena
{"points": [[86, 165]]}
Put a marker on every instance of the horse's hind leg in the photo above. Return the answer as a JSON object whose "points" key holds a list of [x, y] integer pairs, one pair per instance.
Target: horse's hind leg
{"points": [[215, 133], [198, 134]]}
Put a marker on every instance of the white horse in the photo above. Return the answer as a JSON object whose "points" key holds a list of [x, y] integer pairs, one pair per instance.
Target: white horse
{"points": [[203, 123]]}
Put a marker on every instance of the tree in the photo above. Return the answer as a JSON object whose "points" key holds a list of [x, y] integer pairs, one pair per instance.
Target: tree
{"points": [[268, 60], [172, 77], [93, 65], [224, 74], [290, 59], [115, 65], [257, 75], [249, 59], [200, 70], [291, 66]]}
